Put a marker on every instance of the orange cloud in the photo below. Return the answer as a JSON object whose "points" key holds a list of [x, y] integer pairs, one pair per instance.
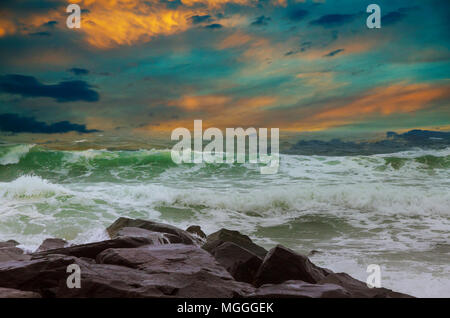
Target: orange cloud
{"points": [[234, 40], [382, 101], [224, 111], [6, 27], [110, 23], [397, 98], [206, 102], [218, 111]]}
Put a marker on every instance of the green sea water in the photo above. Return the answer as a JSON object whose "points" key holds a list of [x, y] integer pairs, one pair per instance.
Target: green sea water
{"points": [[390, 209]]}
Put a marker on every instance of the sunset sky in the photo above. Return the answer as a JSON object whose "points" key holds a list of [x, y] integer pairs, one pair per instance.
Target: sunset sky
{"points": [[152, 66]]}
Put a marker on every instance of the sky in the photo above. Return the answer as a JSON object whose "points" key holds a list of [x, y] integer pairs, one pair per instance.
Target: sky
{"points": [[147, 67]]}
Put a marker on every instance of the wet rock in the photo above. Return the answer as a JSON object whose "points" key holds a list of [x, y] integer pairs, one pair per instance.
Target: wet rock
{"points": [[215, 239], [51, 244], [15, 293], [300, 289], [178, 270], [12, 253], [105, 280], [175, 270], [91, 250], [239, 262], [314, 252], [111, 281], [197, 230], [156, 259], [282, 264], [185, 237], [359, 289], [10, 243], [39, 275], [156, 237]]}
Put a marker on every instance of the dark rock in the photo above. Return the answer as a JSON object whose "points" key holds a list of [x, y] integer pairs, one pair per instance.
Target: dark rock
{"points": [[111, 281], [104, 280], [358, 289], [120, 223], [300, 289], [178, 270], [15, 293], [39, 275], [156, 237], [218, 238], [155, 259], [91, 250], [239, 262], [10, 243], [12, 253], [48, 276], [314, 252], [51, 244], [282, 264], [197, 230]]}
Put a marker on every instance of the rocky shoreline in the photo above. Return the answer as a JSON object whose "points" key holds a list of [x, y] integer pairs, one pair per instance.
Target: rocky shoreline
{"points": [[146, 259]]}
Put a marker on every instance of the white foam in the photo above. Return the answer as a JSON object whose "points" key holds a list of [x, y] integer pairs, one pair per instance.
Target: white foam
{"points": [[14, 154]]}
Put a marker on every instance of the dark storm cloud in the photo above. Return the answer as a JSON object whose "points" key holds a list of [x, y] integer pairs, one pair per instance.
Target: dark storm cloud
{"points": [[50, 24], [261, 21], [214, 26], [392, 18], [297, 14], [196, 19], [67, 91], [40, 34], [333, 53], [331, 20], [30, 5], [78, 71], [17, 124]]}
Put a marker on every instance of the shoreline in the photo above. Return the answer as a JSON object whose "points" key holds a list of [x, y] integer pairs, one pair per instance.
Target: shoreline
{"points": [[145, 259]]}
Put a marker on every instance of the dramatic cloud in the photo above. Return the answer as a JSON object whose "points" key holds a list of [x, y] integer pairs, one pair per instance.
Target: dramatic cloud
{"points": [[333, 53], [297, 65], [383, 101], [392, 18], [44, 33], [297, 14], [78, 71], [28, 86], [17, 124], [196, 19], [214, 26], [261, 21], [333, 20]]}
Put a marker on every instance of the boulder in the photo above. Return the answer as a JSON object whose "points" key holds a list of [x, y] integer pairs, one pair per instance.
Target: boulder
{"points": [[51, 244], [179, 270], [239, 262], [156, 237], [185, 237], [48, 277], [217, 238], [10, 243], [358, 289], [15, 293], [282, 264], [300, 289], [112, 281], [39, 275], [12, 253], [156, 259], [91, 250], [196, 230]]}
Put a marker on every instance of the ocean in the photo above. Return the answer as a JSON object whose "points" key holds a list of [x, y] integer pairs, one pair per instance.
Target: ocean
{"points": [[387, 209]]}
